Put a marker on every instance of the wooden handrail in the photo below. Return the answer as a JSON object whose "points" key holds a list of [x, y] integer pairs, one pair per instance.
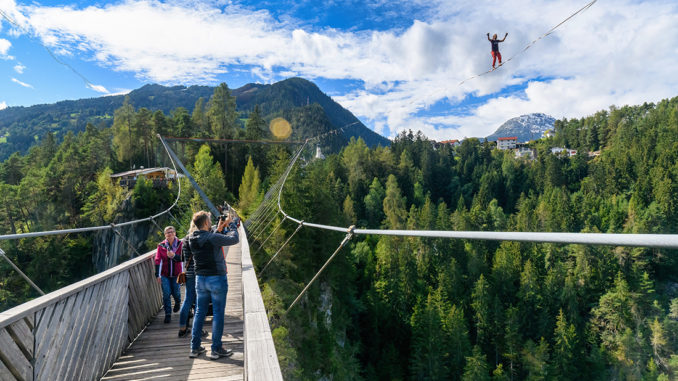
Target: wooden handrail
{"points": [[261, 360]]}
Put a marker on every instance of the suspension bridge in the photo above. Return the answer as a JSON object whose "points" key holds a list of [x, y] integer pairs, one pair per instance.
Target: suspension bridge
{"points": [[109, 326]]}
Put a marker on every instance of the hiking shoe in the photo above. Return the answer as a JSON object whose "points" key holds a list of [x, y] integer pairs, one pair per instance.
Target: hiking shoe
{"points": [[168, 318], [177, 306], [183, 332], [221, 352], [197, 352], [205, 333]]}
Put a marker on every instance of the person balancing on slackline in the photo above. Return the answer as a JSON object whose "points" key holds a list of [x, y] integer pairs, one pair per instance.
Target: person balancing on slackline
{"points": [[495, 48]]}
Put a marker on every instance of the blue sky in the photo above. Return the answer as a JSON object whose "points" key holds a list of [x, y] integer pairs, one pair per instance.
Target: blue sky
{"points": [[395, 64]]}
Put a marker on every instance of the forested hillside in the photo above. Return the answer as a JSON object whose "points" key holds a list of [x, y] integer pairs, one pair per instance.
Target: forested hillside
{"points": [[431, 309], [23, 127], [391, 307]]}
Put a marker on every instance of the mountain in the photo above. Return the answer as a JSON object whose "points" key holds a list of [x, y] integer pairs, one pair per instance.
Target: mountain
{"points": [[22, 127], [525, 127]]}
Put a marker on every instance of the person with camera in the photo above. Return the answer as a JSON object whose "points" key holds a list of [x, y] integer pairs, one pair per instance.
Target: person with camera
{"points": [[168, 265], [211, 282]]}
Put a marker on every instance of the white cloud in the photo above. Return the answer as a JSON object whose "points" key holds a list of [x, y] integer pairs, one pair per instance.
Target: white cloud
{"points": [[24, 84], [3, 105], [19, 68], [98, 88], [4, 46], [604, 56]]}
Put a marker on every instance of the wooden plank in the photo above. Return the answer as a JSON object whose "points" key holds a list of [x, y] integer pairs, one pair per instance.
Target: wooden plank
{"points": [[5, 373], [73, 315], [120, 332], [13, 358], [90, 335], [51, 350], [43, 326], [23, 336], [73, 360], [82, 334], [114, 323], [93, 336], [135, 321], [141, 308]]}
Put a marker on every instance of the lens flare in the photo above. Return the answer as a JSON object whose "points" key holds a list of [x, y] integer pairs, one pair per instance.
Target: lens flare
{"points": [[280, 128]]}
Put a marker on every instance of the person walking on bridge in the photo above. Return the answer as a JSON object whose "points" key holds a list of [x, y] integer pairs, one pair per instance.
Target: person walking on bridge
{"points": [[168, 266], [211, 280], [495, 48]]}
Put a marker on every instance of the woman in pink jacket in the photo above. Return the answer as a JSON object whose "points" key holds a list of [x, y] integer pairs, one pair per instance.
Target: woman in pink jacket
{"points": [[168, 265]]}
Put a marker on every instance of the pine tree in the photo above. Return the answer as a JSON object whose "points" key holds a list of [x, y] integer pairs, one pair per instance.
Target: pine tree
{"points": [[395, 208], [476, 368], [249, 191], [374, 200], [565, 347], [222, 113], [209, 176]]}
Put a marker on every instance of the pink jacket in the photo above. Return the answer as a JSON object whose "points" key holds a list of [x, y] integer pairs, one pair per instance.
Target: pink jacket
{"points": [[164, 265]]}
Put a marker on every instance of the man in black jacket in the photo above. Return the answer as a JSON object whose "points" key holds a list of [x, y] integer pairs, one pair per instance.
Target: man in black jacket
{"points": [[211, 282]]}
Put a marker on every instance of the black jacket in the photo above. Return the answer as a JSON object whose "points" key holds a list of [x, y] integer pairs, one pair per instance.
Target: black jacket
{"points": [[205, 248]]}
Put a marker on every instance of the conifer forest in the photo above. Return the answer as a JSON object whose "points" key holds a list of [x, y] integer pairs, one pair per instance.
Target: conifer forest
{"points": [[395, 308]]}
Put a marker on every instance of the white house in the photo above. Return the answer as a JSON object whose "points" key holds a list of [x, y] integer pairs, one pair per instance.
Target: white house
{"points": [[570, 152], [507, 143]]}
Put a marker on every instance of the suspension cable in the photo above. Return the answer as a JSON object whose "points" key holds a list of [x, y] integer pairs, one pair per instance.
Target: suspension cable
{"points": [[342, 244], [301, 224], [270, 235], [117, 231], [2, 254]]}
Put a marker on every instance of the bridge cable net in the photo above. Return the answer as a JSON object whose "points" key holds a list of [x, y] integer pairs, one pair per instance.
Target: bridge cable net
{"points": [[262, 218], [93, 228]]}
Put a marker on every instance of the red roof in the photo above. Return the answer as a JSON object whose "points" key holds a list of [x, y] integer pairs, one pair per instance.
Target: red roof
{"points": [[450, 141], [511, 138]]}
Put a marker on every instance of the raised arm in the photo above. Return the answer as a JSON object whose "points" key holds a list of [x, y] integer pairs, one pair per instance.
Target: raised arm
{"points": [[488, 37], [504, 37]]}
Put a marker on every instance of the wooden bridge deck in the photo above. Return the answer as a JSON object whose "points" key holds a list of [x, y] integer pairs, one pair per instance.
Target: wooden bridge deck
{"points": [[158, 353]]}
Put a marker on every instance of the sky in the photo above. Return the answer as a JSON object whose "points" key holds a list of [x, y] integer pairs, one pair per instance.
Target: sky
{"points": [[396, 65]]}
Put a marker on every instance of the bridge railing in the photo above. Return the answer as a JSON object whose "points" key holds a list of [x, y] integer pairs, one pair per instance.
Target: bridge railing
{"points": [[77, 332], [261, 360]]}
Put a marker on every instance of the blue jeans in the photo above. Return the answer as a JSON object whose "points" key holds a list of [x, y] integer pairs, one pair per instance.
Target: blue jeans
{"points": [[170, 286], [212, 287], [189, 300]]}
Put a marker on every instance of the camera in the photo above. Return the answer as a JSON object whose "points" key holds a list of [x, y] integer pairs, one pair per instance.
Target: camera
{"points": [[225, 211]]}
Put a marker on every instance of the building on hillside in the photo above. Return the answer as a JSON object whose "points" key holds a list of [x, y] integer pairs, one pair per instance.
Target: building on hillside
{"points": [[507, 143], [160, 176], [453, 142], [594, 153], [567, 151], [549, 133], [523, 151]]}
